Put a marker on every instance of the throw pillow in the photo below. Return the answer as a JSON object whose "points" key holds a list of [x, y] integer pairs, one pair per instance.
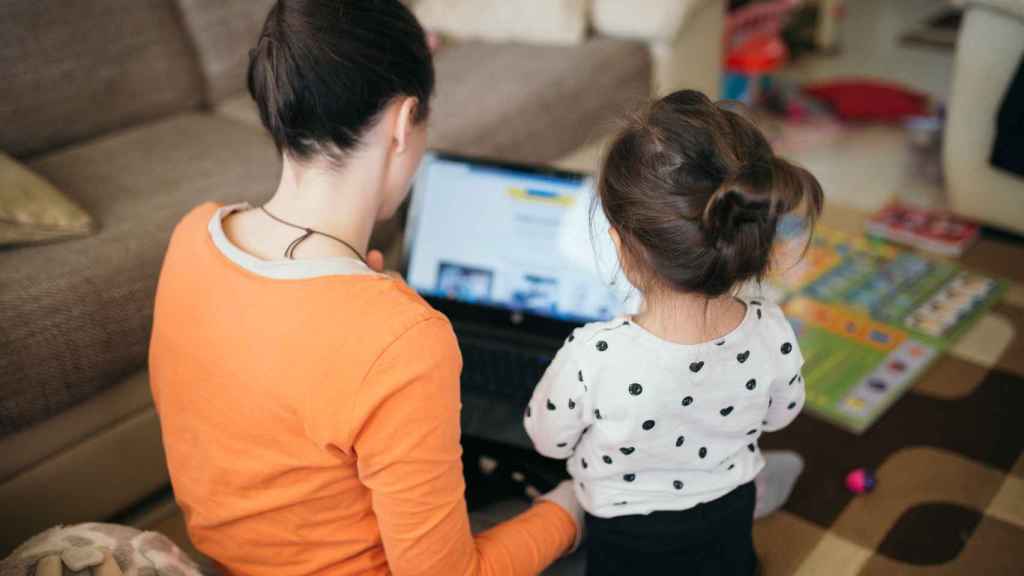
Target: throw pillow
{"points": [[32, 210], [558, 22]]}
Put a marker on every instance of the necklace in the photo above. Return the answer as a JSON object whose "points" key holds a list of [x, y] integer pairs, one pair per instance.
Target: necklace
{"points": [[289, 252]]}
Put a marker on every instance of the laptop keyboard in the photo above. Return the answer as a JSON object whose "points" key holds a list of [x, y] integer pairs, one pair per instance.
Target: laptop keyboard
{"points": [[503, 373]]}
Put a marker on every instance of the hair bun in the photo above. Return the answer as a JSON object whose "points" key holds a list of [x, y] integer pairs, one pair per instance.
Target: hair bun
{"points": [[730, 209]]}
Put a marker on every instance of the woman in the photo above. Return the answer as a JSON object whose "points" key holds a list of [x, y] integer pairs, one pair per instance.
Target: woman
{"points": [[309, 404]]}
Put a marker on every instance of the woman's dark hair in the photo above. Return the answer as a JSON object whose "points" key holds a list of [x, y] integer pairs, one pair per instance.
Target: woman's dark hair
{"points": [[696, 194], [323, 70]]}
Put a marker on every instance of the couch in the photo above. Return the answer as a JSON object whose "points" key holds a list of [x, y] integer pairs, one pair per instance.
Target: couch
{"points": [[136, 110], [989, 49]]}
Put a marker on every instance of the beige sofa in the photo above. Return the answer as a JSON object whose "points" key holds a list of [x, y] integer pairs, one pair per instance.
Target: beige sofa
{"points": [[987, 55], [135, 109]]}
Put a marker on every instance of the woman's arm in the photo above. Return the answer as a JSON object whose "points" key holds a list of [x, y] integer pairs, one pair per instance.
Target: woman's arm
{"points": [[409, 455]]}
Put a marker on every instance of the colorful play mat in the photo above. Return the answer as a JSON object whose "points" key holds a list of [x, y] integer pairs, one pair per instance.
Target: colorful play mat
{"points": [[871, 317]]}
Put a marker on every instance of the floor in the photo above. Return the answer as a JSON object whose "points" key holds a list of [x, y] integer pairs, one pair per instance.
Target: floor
{"points": [[859, 166], [866, 166]]}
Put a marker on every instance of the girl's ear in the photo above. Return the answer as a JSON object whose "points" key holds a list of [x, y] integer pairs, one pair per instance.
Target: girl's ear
{"points": [[405, 122]]}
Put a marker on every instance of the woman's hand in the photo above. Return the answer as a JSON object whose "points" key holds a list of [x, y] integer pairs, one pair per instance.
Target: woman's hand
{"points": [[565, 496]]}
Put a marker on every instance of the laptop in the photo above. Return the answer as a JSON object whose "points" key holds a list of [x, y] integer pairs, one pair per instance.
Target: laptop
{"points": [[515, 256]]}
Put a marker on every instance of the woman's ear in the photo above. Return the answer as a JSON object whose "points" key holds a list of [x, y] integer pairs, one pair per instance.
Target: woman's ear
{"points": [[616, 239], [405, 123]]}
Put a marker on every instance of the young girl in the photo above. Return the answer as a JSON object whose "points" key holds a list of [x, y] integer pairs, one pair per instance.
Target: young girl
{"points": [[310, 405], [659, 414]]}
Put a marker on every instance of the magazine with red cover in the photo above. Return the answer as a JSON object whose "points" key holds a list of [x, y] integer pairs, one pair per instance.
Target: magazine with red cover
{"points": [[932, 230]]}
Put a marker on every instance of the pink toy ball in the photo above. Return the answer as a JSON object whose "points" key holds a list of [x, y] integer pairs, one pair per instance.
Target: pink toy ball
{"points": [[860, 481]]}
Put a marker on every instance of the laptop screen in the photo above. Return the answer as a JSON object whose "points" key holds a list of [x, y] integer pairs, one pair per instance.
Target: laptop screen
{"points": [[514, 238]]}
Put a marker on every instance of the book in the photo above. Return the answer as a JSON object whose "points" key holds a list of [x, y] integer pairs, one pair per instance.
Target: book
{"points": [[935, 231]]}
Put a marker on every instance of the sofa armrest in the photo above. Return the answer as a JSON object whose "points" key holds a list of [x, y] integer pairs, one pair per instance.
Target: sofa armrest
{"points": [[648, 20], [1013, 8], [685, 38]]}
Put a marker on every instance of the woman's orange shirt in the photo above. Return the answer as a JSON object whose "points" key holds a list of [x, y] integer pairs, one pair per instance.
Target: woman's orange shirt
{"points": [[312, 426]]}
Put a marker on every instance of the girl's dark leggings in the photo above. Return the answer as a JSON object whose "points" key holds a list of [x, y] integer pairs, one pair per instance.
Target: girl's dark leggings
{"points": [[714, 538]]}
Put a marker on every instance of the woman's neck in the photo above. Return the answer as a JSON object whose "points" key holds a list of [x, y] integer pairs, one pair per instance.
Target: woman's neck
{"points": [[689, 318], [342, 202]]}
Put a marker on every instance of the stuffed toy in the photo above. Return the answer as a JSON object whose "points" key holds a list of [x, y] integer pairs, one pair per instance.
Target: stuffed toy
{"points": [[98, 550]]}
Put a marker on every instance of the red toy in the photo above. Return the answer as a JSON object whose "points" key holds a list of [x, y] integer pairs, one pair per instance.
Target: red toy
{"points": [[860, 481], [869, 100]]}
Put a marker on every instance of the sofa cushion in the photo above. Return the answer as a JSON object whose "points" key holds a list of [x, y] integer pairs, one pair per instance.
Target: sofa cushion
{"points": [[75, 317], [223, 33], [73, 70], [520, 102], [536, 21], [534, 103]]}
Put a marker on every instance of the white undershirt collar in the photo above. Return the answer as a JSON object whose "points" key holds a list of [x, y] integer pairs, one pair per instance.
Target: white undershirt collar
{"points": [[280, 269]]}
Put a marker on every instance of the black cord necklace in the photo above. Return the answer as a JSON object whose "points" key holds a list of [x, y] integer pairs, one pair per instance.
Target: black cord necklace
{"points": [[289, 252]]}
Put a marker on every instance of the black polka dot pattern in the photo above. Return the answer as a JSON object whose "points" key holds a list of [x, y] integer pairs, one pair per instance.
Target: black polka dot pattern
{"points": [[793, 379], [597, 414], [627, 450], [750, 447], [755, 302], [620, 503], [607, 459], [580, 375], [688, 400], [696, 366], [551, 405], [629, 477], [583, 462], [636, 389], [752, 432], [731, 466], [648, 425], [721, 343], [678, 485], [703, 452], [792, 405], [562, 444], [742, 356], [726, 411], [680, 440], [758, 313], [571, 337], [787, 348], [529, 412], [751, 384], [602, 345], [572, 404]]}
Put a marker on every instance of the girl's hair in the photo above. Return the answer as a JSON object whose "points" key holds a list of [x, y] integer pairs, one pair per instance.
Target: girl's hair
{"points": [[695, 193], [323, 70]]}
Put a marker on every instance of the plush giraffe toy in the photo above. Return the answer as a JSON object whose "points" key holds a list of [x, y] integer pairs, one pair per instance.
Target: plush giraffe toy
{"points": [[98, 550]]}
